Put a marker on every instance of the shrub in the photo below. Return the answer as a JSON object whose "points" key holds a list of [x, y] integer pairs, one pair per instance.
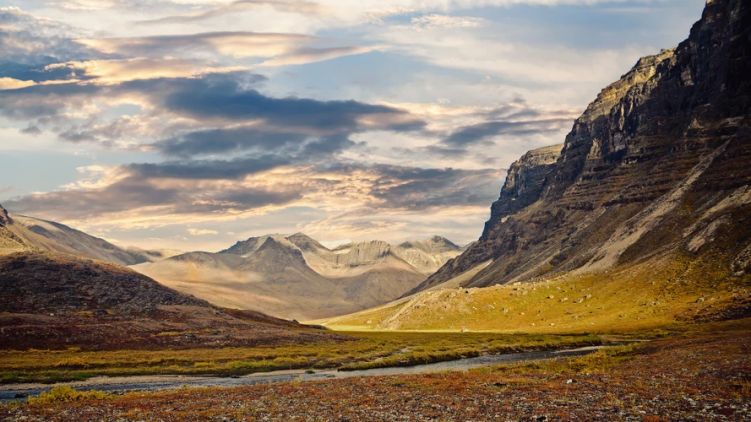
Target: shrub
{"points": [[64, 394]]}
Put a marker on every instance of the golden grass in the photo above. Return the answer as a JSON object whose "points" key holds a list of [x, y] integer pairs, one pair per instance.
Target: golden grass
{"points": [[648, 296]]}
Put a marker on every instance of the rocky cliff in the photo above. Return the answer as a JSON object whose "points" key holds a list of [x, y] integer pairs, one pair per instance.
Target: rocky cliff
{"points": [[660, 160]]}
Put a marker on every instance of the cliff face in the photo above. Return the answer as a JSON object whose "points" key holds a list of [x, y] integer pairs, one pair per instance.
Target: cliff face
{"points": [[524, 183], [656, 159]]}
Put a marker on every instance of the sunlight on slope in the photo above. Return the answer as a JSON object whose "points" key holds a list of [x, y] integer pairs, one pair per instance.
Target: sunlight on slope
{"points": [[657, 293]]}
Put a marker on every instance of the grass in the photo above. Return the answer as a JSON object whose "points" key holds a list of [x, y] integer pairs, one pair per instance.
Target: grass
{"points": [[367, 350], [652, 295], [598, 362]]}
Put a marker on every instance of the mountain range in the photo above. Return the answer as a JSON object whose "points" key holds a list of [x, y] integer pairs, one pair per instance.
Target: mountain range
{"points": [[297, 277]]}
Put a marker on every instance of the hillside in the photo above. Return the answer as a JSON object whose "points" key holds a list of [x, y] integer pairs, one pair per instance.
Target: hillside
{"points": [[297, 277], [641, 220], [57, 238]]}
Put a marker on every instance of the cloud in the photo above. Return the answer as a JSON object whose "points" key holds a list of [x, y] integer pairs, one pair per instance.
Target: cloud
{"points": [[123, 70], [446, 21], [10, 83], [483, 131], [29, 40], [145, 196], [223, 97], [201, 232], [77, 112], [252, 139], [421, 188], [164, 193], [312, 55], [208, 169], [286, 6], [233, 44]]}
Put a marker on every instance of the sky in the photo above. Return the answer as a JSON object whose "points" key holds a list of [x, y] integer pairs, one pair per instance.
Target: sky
{"points": [[190, 124]]}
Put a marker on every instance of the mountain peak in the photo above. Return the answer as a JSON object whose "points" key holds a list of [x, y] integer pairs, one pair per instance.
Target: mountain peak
{"points": [[433, 244], [248, 246], [305, 242]]}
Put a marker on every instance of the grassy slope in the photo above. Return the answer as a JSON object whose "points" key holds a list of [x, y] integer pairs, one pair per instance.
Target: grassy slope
{"points": [[653, 294]]}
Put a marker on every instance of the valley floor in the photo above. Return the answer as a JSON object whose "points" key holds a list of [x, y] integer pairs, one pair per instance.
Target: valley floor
{"points": [[701, 374]]}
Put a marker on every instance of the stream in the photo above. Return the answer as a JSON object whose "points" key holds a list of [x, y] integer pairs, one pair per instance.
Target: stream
{"points": [[11, 392]]}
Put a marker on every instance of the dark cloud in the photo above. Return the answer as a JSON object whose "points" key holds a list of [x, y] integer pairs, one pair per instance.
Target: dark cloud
{"points": [[28, 44], [419, 188], [252, 139], [223, 97], [481, 132], [41, 102], [37, 72], [287, 127], [209, 169], [129, 193], [215, 141]]}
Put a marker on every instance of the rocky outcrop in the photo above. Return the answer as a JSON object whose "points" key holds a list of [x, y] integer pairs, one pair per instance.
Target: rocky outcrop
{"points": [[646, 162], [524, 183], [4, 217]]}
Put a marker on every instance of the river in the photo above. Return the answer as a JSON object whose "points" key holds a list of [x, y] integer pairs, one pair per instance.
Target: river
{"points": [[10, 392]]}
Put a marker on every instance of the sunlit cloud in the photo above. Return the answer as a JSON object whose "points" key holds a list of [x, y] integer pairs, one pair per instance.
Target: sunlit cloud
{"points": [[114, 71], [10, 83]]}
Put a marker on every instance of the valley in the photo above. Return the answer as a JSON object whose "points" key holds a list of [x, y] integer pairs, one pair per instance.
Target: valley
{"points": [[611, 280]]}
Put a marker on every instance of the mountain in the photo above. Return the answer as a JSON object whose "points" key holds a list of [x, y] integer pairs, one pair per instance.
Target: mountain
{"points": [[58, 238], [640, 219], [52, 300], [297, 277], [657, 165]]}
